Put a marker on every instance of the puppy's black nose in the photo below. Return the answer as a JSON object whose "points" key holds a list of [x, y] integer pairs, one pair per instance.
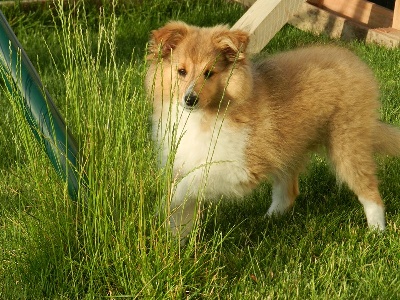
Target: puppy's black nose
{"points": [[191, 100]]}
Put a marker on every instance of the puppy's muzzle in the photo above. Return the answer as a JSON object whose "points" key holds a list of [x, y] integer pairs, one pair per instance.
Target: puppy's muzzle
{"points": [[191, 100]]}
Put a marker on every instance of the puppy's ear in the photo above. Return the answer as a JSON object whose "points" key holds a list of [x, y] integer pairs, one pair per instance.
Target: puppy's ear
{"points": [[167, 38], [232, 43]]}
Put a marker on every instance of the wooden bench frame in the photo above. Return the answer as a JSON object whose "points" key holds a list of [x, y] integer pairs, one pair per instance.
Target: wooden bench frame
{"points": [[346, 19]]}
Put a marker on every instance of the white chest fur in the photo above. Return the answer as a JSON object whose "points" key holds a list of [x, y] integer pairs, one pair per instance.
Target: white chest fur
{"points": [[208, 153]]}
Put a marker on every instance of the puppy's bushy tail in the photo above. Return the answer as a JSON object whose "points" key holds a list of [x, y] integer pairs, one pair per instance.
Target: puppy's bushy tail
{"points": [[387, 140]]}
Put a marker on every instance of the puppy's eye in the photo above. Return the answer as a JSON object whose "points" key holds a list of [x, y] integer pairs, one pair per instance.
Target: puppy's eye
{"points": [[208, 74], [182, 72]]}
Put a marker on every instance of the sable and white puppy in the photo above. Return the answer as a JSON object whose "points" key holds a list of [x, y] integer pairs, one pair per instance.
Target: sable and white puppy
{"points": [[228, 124]]}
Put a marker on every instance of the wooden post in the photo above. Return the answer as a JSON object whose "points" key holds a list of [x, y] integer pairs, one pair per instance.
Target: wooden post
{"points": [[264, 19], [396, 15]]}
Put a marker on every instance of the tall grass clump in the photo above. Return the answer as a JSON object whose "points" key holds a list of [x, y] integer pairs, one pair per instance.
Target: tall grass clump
{"points": [[114, 239]]}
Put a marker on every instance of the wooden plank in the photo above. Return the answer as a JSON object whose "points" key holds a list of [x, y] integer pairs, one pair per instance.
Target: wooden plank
{"points": [[368, 13], [317, 20], [388, 37], [396, 15], [264, 19]]}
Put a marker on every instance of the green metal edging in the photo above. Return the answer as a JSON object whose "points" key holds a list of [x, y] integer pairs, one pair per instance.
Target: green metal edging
{"points": [[46, 122]]}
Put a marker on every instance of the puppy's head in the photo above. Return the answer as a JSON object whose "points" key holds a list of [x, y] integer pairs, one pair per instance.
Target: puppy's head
{"points": [[199, 67]]}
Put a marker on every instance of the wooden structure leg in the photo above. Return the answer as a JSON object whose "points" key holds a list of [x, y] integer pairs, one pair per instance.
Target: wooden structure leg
{"points": [[371, 23], [396, 15], [346, 19], [264, 19]]}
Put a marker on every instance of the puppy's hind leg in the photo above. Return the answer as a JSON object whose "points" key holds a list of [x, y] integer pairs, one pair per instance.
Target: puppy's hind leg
{"points": [[365, 186], [284, 192], [357, 168]]}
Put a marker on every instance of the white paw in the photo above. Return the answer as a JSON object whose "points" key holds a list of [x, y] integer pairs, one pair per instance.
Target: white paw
{"points": [[375, 214], [277, 209]]}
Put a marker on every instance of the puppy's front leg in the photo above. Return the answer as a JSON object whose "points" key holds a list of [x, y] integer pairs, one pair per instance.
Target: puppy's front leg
{"points": [[183, 208], [284, 192], [181, 219]]}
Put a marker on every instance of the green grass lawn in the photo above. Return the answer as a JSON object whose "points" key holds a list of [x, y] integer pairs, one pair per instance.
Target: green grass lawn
{"points": [[114, 243]]}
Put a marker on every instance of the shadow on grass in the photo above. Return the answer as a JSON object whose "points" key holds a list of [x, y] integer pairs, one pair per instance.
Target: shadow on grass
{"points": [[321, 203]]}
